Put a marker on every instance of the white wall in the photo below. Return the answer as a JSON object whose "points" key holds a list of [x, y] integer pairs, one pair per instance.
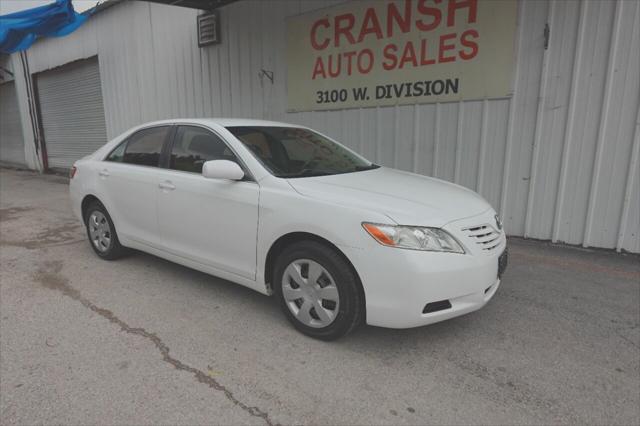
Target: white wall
{"points": [[559, 159]]}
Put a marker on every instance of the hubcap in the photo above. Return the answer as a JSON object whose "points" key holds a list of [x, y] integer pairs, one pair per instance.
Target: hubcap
{"points": [[100, 231], [310, 293]]}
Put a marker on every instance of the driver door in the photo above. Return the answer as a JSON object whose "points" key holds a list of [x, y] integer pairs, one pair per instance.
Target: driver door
{"points": [[210, 221]]}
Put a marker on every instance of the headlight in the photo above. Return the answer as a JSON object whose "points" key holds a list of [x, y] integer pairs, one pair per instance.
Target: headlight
{"points": [[413, 237]]}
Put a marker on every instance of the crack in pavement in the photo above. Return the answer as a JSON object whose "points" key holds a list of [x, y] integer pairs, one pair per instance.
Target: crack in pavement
{"points": [[49, 276]]}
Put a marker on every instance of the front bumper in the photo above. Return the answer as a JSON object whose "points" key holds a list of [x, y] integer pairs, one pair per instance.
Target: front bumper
{"points": [[399, 284]]}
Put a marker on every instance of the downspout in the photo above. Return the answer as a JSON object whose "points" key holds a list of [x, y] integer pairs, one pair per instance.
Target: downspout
{"points": [[34, 117]]}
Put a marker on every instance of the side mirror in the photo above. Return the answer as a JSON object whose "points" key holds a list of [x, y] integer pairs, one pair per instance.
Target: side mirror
{"points": [[222, 169]]}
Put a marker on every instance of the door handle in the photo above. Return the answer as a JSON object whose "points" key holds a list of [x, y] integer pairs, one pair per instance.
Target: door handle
{"points": [[167, 185], [104, 173]]}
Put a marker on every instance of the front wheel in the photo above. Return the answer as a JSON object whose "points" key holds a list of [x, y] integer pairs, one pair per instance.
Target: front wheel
{"points": [[318, 290]]}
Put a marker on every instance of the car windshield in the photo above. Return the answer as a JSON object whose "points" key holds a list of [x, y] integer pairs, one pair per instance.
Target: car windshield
{"points": [[292, 152]]}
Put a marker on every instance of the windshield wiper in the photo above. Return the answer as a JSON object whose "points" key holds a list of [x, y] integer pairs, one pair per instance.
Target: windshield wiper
{"points": [[312, 172], [307, 173], [369, 167]]}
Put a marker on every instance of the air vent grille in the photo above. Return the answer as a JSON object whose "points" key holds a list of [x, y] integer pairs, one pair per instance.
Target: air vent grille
{"points": [[208, 29], [484, 235]]}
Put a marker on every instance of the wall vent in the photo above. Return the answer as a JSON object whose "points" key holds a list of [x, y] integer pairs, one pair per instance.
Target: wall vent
{"points": [[208, 29]]}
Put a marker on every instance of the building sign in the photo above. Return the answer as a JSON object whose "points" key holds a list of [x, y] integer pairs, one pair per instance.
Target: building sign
{"points": [[386, 52]]}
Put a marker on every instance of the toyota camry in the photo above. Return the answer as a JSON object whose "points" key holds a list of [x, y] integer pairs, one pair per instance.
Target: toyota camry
{"points": [[289, 212]]}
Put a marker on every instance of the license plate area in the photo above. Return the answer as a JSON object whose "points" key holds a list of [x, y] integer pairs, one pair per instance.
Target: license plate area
{"points": [[503, 261]]}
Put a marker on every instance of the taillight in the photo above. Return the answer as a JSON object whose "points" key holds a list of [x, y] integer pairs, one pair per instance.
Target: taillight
{"points": [[72, 172]]}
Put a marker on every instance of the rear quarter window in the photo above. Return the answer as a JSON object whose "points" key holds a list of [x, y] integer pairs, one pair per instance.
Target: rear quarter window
{"points": [[117, 155], [145, 147]]}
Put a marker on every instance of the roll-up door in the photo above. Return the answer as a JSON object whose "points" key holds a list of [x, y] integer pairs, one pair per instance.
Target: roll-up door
{"points": [[11, 140], [72, 112]]}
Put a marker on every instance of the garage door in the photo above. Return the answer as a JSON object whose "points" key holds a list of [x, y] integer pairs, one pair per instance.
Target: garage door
{"points": [[11, 141], [72, 112]]}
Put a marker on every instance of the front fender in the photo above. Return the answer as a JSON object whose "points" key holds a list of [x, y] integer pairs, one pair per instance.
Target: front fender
{"points": [[340, 225]]}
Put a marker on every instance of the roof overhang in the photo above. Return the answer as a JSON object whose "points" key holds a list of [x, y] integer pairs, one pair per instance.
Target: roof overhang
{"points": [[195, 4]]}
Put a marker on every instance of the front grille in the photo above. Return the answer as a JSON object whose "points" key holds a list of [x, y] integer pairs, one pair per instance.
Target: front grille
{"points": [[484, 236]]}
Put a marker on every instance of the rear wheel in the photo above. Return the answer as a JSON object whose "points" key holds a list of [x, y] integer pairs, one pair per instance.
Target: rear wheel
{"points": [[318, 290], [102, 233]]}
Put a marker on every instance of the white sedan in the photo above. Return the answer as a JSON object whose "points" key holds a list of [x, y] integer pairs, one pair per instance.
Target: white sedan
{"points": [[284, 210]]}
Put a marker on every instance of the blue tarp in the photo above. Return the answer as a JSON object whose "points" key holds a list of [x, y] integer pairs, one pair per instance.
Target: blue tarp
{"points": [[19, 30]]}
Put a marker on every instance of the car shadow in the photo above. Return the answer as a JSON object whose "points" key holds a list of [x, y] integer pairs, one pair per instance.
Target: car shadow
{"points": [[267, 310]]}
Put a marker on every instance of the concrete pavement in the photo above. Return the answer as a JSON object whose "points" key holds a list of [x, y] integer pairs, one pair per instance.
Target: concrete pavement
{"points": [[144, 341]]}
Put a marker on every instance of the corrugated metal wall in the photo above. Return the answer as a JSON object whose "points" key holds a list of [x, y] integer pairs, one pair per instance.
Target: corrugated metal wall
{"points": [[11, 145], [559, 159]]}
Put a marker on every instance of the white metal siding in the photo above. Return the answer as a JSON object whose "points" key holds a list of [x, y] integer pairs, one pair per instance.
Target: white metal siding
{"points": [[11, 141], [559, 159], [70, 100]]}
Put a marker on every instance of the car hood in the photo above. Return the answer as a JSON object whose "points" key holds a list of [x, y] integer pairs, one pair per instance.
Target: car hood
{"points": [[406, 198]]}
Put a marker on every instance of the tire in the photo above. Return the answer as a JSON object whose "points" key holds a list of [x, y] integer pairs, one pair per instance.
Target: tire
{"points": [[102, 233], [317, 317]]}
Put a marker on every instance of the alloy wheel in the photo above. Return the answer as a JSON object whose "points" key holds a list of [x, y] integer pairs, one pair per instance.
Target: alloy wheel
{"points": [[100, 231]]}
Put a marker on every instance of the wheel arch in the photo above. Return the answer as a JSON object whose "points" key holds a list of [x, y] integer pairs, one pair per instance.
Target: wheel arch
{"points": [[293, 237], [86, 201]]}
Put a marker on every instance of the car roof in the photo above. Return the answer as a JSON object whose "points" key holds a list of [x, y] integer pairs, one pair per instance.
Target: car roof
{"points": [[224, 122]]}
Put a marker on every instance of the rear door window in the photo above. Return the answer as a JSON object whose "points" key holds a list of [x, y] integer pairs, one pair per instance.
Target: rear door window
{"points": [[144, 148], [193, 146]]}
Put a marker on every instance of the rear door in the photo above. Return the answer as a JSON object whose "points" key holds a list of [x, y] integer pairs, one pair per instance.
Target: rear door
{"points": [[210, 221], [128, 182]]}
